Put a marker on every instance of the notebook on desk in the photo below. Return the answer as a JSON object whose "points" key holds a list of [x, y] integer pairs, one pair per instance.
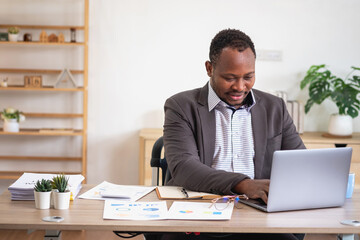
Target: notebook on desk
{"points": [[305, 179]]}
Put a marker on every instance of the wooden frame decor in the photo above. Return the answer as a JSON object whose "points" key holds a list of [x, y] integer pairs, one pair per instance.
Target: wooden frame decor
{"points": [[62, 78], [33, 81], [61, 38], [52, 38], [43, 36]]}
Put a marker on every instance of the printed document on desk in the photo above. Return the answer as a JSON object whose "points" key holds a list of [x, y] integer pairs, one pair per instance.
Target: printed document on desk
{"points": [[174, 192], [120, 210], [106, 190], [199, 211]]}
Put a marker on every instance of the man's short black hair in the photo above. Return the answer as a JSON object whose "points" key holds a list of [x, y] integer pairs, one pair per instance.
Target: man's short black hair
{"points": [[229, 38]]}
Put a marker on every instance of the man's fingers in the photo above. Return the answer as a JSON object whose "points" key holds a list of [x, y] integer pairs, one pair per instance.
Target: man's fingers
{"points": [[264, 197]]}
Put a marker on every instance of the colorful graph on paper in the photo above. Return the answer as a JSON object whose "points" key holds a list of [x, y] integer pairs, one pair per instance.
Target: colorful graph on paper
{"points": [[122, 210], [198, 211]]}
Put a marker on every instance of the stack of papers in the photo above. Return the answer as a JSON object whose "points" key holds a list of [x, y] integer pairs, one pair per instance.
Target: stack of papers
{"points": [[106, 190], [23, 188]]}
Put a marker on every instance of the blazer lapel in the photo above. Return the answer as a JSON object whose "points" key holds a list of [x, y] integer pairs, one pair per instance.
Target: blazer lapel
{"points": [[208, 127], [259, 127]]}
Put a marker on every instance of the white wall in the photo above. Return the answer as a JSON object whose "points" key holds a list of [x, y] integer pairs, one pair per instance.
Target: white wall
{"points": [[142, 52]]}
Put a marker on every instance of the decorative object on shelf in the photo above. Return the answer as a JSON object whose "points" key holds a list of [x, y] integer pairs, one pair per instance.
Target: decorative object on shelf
{"points": [[56, 130], [4, 82], [62, 81], [33, 81], [73, 34], [11, 118], [43, 36], [61, 38], [4, 36], [61, 193], [52, 38], [27, 37], [343, 92], [42, 193], [13, 34]]}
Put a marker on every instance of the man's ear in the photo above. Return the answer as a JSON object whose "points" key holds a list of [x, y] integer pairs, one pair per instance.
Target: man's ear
{"points": [[209, 68]]}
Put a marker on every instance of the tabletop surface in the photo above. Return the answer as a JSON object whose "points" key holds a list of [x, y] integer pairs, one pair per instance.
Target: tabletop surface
{"points": [[88, 215]]}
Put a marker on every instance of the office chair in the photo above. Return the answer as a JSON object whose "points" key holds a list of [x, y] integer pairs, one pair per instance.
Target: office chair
{"points": [[160, 163]]}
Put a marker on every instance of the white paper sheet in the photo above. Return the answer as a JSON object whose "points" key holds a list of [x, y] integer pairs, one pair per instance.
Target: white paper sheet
{"points": [[122, 210], [106, 190], [198, 211]]}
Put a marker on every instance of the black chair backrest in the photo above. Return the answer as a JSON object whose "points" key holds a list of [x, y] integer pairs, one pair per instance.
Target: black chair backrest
{"points": [[158, 162]]}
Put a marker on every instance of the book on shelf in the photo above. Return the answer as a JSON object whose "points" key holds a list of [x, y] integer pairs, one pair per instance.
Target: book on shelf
{"points": [[301, 117], [174, 192], [296, 112], [23, 187]]}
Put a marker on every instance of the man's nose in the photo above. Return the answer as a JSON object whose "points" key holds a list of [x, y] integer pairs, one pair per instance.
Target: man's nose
{"points": [[238, 85]]}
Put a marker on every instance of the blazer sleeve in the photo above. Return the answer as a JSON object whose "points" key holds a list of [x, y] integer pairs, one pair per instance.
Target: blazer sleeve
{"points": [[182, 150]]}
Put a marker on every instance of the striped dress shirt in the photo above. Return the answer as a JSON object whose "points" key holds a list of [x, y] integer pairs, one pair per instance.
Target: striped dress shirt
{"points": [[234, 143]]}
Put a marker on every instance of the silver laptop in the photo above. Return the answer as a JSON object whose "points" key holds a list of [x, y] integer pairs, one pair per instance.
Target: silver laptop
{"points": [[305, 179]]}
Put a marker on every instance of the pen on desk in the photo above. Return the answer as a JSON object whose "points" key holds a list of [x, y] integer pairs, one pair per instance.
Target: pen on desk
{"points": [[183, 190]]}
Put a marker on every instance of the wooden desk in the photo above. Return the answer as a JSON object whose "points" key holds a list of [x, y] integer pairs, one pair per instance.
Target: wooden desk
{"points": [[312, 140], [87, 215]]}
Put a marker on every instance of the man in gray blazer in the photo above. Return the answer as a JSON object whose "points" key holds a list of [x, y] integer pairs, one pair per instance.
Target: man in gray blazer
{"points": [[221, 138]]}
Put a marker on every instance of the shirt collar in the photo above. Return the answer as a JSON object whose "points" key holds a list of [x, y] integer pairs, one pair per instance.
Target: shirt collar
{"points": [[214, 100]]}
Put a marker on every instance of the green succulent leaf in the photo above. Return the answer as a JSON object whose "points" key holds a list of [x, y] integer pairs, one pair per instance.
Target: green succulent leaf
{"points": [[43, 185], [60, 182]]}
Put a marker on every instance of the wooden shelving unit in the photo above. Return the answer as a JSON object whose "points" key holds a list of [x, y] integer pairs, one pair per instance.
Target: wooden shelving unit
{"points": [[53, 115], [16, 174], [37, 71], [44, 43], [38, 132], [58, 27], [22, 88], [53, 132]]}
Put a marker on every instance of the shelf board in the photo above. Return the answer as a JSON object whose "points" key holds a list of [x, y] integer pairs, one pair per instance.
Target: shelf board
{"points": [[50, 89], [16, 174], [37, 71], [37, 132], [43, 43], [42, 26], [40, 158], [53, 115]]}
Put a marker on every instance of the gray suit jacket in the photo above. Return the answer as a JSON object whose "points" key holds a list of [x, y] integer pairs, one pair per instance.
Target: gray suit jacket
{"points": [[189, 139]]}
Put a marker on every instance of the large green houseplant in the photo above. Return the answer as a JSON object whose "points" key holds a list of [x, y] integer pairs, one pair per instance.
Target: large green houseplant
{"points": [[343, 92]]}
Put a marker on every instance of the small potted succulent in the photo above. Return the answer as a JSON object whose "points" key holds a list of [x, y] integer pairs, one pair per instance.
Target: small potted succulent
{"points": [[42, 194], [11, 118], [61, 191], [13, 34]]}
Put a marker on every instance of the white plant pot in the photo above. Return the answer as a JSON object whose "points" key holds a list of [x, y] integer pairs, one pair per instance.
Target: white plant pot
{"points": [[11, 125], [340, 125], [42, 199], [13, 37], [61, 200]]}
